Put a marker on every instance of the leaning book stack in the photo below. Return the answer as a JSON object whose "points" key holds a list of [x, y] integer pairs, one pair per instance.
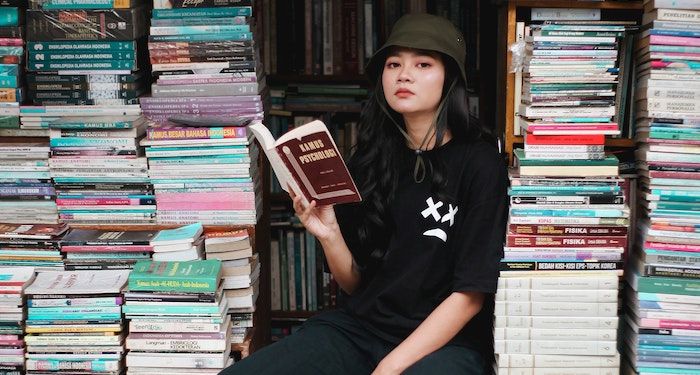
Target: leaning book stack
{"points": [[98, 167], [27, 194], [74, 322], [240, 270], [178, 320], [179, 244], [662, 324], [11, 68], [31, 245], [13, 281]]}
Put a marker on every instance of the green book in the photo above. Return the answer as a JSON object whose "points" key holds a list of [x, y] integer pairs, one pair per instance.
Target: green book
{"points": [[608, 161], [668, 285], [196, 276]]}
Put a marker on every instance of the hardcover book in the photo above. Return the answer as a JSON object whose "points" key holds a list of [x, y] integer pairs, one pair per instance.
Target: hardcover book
{"points": [[307, 160], [198, 276]]}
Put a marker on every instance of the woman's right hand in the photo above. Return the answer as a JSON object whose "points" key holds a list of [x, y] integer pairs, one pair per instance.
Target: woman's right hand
{"points": [[318, 220]]}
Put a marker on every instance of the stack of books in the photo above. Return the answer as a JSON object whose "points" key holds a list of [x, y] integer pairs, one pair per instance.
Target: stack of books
{"points": [[203, 174], [178, 318], [85, 53], [205, 60], [11, 68], [181, 244], [569, 81], [557, 303], [90, 249], [97, 165], [662, 324], [74, 322], [26, 192], [30, 245], [240, 270], [13, 281]]}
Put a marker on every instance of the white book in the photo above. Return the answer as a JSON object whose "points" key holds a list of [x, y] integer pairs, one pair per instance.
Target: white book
{"points": [[559, 322], [526, 295], [79, 282], [586, 334], [560, 347], [167, 360], [560, 282], [560, 371], [555, 309]]}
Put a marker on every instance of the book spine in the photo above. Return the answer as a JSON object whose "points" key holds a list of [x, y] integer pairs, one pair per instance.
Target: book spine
{"points": [[609, 282], [138, 326], [59, 365], [175, 345], [163, 283], [556, 347], [203, 12], [169, 310], [555, 309], [533, 229], [203, 29], [173, 4], [206, 90], [560, 266], [590, 334], [196, 133], [674, 40], [555, 322], [85, 24], [543, 296], [667, 286], [677, 15], [92, 65], [669, 323], [557, 241]]}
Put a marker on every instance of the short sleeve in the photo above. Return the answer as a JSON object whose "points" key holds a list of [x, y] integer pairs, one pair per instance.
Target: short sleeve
{"points": [[478, 248]]}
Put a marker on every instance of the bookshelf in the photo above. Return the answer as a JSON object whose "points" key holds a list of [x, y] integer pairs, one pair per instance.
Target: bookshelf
{"points": [[507, 18]]}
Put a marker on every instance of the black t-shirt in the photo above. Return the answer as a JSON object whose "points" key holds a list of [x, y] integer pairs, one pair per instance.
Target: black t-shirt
{"points": [[439, 246]]}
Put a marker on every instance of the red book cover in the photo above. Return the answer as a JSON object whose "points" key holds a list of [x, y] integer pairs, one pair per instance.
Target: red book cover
{"points": [[307, 159], [582, 139], [515, 240], [571, 230]]}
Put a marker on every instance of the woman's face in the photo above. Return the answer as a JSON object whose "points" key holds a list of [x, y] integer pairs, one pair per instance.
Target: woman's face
{"points": [[413, 80]]}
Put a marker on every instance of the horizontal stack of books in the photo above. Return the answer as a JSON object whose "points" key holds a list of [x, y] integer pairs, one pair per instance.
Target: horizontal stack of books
{"points": [[92, 249], [240, 270], [31, 245], [178, 318], [12, 69], [662, 322], [97, 165], [203, 174], [26, 192], [74, 322], [13, 281], [181, 244]]}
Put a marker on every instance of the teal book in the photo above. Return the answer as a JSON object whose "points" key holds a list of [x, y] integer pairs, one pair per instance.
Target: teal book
{"points": [[203, 12], [213, 37], [197, 276], [171, 310], [9, 16], [535, 188], [82, 65], [676, 193], [77, 316], [181, 235], [73, 310], [200, 29], [38, 56], [668, 285], [608, 161], [81, 45], [89, 142]]}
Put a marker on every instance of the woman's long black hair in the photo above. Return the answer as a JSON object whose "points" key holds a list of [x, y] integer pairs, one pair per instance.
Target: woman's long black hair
{"points": [[380, 149]]}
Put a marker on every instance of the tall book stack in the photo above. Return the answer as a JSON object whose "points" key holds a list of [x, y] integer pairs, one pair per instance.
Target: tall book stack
{"points": [[11, 67], [240, 270], [31, 245], [91, 249], [178, 318], [74, 322], [557, 304], [662, 324], [13, 281], [27, 194], [98, 167]]}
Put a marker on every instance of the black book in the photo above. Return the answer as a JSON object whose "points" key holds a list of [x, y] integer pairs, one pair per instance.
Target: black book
{"points": [[82, 237]]}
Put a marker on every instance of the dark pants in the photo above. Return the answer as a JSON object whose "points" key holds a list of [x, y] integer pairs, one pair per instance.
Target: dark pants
{"points": [[334, 343]]}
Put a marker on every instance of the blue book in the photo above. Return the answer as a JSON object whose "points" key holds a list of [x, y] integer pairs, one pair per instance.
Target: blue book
{"points": [[567, 213], [668, 32], [212, 37], [203, 12], [9, 16], [613, 189], [181, 235]]}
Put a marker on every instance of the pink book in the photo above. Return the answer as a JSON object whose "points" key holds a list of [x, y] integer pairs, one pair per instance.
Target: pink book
{"points": [[672, 247], [674, 40], [243, 196], [99, 201], [669, 323], [108, 249], [205, 206]]}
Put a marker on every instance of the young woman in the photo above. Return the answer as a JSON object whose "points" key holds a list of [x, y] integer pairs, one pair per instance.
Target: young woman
{"points": [[417, 259]]}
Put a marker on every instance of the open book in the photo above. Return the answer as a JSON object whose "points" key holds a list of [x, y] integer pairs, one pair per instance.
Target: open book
{"points": [[307, 159]]}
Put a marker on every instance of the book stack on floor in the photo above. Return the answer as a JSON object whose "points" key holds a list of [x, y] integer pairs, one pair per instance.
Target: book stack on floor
{"points": [[74, 322], [13, 281], [662, 322], [30, 245], [26, 192], [204, 174], [85, 52], [178, 318], [557, 303], [11, 68], [181, 244], [98, 167], [90, 249], [240, 270], [205, 60]]}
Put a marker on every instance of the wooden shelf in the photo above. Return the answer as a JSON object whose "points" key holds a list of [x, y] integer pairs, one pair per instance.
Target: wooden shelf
{"points": [[317, 79], [578, 4], [292, 315]]}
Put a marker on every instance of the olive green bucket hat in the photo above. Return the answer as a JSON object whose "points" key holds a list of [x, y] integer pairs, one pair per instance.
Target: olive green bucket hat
{"points": [[421, 31]]}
